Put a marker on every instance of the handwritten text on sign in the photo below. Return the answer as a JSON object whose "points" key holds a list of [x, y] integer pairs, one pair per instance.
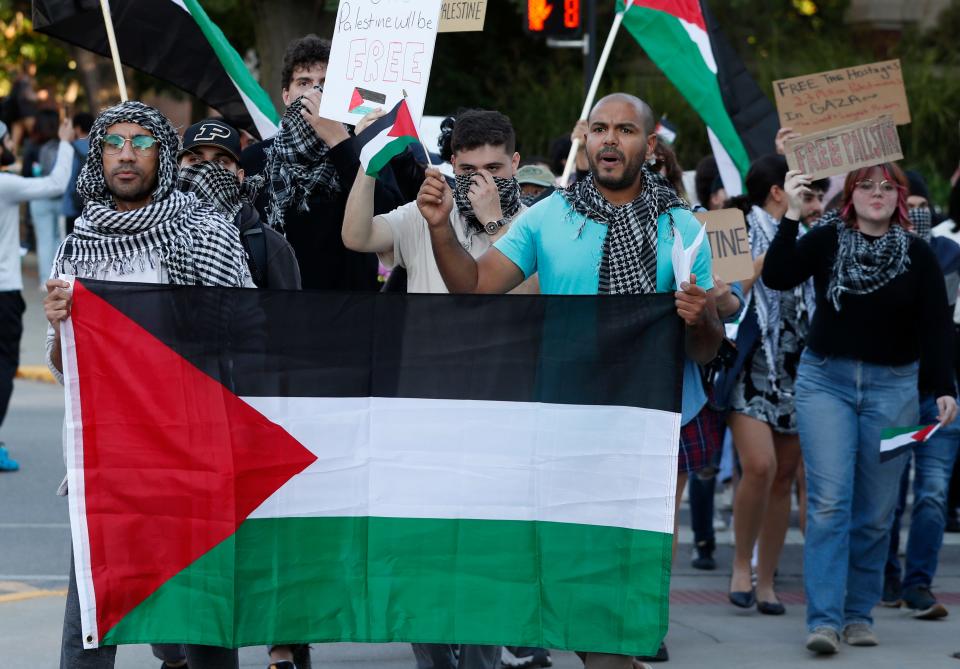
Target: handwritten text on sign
{"points": [[729, 244], [381, 52], [457, 16], [844, 149], [823, 100]]}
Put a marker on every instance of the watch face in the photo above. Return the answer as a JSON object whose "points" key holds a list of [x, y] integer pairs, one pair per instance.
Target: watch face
{"points": [[492, 227]]}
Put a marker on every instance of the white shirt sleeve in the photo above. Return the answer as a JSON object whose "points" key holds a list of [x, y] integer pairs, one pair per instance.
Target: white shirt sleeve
{"points": [[15, 188]]}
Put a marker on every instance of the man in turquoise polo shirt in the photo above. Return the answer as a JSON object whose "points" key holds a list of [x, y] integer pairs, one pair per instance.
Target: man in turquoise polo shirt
{"points": [[610, 233]]}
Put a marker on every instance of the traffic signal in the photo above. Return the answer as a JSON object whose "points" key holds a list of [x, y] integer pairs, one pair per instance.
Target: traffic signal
{"points": [[553, 18]]}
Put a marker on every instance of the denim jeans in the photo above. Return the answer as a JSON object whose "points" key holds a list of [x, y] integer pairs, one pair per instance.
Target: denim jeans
{"points": [[933, 463], [45, 215], [842, 406]]}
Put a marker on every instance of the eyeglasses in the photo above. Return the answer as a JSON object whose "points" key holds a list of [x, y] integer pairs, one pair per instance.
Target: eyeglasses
{"points": [[868, 185], [142, 144]]}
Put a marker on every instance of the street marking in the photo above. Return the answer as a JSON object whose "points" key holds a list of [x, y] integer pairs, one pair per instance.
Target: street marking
{"points": [[33, 594]]}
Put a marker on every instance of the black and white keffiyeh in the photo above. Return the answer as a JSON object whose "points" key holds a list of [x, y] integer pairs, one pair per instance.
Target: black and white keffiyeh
{"points": [[629, 261], [194, 243], [762, 230], [91, 185], [863, 266], [297, 166], [507, 189], [922, 220], [212, 183]]}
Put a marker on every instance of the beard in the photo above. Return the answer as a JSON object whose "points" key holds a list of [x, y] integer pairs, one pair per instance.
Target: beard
{"points": [[631, 170], [132, 192]]}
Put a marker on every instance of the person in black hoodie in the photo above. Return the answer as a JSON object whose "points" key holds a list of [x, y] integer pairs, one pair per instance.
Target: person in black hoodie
{"points": [[311, 218], [210, 167]]}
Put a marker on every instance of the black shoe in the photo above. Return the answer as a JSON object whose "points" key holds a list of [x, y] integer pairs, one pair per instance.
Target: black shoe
{"points": [[771, 608], [742, 599], [891, 592], [704, 559], [661, 656], [922, 603], [282, 664]]}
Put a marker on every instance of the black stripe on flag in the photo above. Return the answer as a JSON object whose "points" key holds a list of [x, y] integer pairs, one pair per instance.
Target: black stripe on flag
{"points": [[610, 350], [375, 128]]}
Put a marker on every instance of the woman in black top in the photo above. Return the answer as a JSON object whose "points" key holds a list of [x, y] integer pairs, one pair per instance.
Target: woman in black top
{"points": [[880, 303]]}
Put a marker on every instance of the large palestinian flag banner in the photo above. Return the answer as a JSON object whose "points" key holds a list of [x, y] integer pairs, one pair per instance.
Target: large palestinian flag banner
{"points": [[251, 467], [685, 41], [173, 40]]}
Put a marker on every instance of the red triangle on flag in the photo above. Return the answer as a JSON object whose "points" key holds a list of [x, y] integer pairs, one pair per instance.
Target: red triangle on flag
{"points": [[921, 435], [356, 100], [173, 462], [404, 125], [685, 10]]}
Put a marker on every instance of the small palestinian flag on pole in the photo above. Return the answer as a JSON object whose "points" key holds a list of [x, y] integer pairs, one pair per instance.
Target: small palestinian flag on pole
{"points": [[386, 137], [684, 40], [896, 440], [255, 466], [173, 40]]}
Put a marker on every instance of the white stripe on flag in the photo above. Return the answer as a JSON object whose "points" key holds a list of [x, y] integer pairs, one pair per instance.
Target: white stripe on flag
{"points": [[699, 37], [457, 459], [729, 174], [375, 145]]}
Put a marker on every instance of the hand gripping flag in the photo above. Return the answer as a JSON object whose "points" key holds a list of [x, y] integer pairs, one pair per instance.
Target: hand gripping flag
{"points": [[173, 40], [385, 138], [684, 40], [252, 467]]}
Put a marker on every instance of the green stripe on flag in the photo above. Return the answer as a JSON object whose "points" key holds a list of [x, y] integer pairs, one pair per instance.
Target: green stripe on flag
{"points": [[891, 432], [232, 62], [670, 47], [551, 585], [387, 153]]}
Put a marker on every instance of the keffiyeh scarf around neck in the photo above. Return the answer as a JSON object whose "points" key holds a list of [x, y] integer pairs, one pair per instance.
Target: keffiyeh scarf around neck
{"points": [[298, 166], [862, 266], [762, 230], [508, 190], [195, 244], [629, 261]]}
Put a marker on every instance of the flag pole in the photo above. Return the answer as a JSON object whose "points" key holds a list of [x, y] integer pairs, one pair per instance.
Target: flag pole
{"points": [[426, 151], [592, 93], [114, 51]]}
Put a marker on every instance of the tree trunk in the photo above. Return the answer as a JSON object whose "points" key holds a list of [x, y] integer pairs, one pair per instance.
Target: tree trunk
{"points": [[88, 67], [279, 23]]}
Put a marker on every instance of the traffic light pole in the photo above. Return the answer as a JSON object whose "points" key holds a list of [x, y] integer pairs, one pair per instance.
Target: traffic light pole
{"points": [[590, 45]]}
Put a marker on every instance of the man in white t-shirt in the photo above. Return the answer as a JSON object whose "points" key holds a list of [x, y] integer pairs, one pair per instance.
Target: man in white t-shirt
{"points": [[486, 194]]}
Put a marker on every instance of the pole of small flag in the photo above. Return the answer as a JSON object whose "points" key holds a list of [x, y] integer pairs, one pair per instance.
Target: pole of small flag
{"points": [[114, 51], [594, 85]]}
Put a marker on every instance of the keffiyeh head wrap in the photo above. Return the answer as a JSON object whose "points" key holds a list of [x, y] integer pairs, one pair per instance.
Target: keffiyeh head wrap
{"points": [[629, 261], [91, 185]]}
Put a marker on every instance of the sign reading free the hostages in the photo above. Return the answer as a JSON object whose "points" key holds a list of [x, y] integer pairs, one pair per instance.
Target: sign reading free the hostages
{"points": [[381, 52]]}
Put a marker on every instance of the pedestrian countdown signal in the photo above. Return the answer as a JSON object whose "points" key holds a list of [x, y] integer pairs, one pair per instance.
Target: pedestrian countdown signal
{"points": [[553, 18]]}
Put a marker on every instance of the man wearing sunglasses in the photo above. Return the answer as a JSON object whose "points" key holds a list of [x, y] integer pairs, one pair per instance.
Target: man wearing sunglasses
{"points": [[137, 227]]}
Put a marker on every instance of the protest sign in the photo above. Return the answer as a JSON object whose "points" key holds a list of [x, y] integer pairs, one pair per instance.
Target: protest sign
{"points": [[381, 52], [846, 148], [459, 16], [815, 102], [729, 244]]}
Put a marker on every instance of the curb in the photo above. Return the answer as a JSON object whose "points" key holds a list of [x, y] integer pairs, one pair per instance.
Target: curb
{"points": [[35, 373]]}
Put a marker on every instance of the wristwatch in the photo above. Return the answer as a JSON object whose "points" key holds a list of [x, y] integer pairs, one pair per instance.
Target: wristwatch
{"points": [[493, 227]]}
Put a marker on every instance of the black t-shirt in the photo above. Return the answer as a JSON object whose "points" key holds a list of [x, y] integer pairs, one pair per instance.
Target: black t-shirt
{"points": [[903, 321], [325, 263]]}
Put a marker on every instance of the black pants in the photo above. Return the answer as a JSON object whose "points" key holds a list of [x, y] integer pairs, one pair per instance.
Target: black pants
{"points": [[12, 307]]}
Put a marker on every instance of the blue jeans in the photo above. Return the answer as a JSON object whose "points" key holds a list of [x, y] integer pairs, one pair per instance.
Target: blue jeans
{"points": [[842, 405], [45, 215], [933, 468]]}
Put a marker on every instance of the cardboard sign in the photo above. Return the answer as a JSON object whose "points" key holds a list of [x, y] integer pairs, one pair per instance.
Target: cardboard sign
{"points": [[844, 149], [381, 52], [460, 16], [815, 102], [729, 243]]}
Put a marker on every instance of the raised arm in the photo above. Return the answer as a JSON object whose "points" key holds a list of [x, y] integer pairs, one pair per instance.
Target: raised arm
{"points": [[361, 231], [492, 273], [20, 189], [788, 263]]}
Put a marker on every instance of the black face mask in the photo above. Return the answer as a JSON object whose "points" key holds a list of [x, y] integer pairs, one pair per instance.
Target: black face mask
{"points": [[508, 189]]}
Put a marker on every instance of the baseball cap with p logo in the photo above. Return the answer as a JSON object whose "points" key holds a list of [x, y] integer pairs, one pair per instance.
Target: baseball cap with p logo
{"points": [[212, 132]]}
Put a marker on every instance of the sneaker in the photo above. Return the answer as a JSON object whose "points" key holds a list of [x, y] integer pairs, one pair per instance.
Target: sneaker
{"points": [[923, 604], [892, 591], [282, 664], [860, 634], [521, 657], [823, 641], [662, 655], [7, 464], [704, 556]]}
